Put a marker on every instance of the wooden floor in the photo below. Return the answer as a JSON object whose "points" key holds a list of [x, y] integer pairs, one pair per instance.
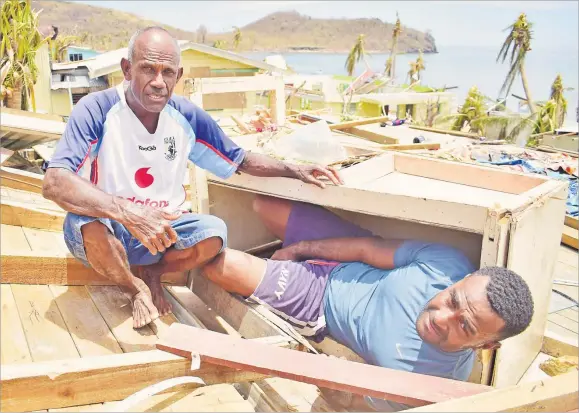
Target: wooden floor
{"points": [[566, 322]]}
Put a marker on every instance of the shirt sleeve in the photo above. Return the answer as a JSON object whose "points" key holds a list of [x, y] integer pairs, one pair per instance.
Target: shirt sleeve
{"points": [[83, 130], [440, 258], [213, 150]]}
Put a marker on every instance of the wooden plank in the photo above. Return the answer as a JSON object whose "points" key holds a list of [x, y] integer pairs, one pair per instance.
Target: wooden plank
{"points": [[215, 398], [400, 386], [97, 407], [572, 222], [17, 179], [13, 241], [411, 146], [360, 122], [568, 256], [117, 312], [570, 237], [371, 136], [46, 242], [89, 331], [16, 213], [477, 176], [446, 132], [557, 394], [533, 244], [45, 330], [13, 345], [89, 380], [197, 308], [5, 154]]}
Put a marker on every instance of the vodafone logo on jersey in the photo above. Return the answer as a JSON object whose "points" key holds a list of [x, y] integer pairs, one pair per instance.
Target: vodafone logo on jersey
{"points": [[143, 178]]}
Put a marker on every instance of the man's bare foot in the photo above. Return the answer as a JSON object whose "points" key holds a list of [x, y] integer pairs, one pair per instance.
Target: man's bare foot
{"points": [[153, 281], [144, 311]]}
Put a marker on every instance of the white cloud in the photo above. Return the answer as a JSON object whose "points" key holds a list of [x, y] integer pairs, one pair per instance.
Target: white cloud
{"points": [[515, 5]]}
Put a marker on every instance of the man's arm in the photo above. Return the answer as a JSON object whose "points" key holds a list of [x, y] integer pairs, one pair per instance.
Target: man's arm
{"points": [[215, 151], [374, 251], [263, 165]]}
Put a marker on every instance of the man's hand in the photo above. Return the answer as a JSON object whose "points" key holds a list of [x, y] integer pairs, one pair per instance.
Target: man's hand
{"points": [[152, 227], [311, 173], [290, 253]]}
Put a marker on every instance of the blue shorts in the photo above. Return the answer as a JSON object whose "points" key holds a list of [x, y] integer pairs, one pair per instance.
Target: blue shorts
{"points": [[190, 229]]}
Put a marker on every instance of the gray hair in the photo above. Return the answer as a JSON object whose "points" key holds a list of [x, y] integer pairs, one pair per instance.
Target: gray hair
{"points": [[135, 36]]}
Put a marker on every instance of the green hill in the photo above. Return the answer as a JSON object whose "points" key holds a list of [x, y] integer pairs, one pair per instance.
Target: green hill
{"points": [[283, 31]]}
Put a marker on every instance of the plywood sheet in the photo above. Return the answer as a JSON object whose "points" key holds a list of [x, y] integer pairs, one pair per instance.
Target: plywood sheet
{"points": [[13, 345], [45, 330]]}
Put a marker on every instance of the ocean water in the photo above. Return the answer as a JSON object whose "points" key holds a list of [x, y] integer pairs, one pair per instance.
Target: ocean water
{"points": [[463, 67]]}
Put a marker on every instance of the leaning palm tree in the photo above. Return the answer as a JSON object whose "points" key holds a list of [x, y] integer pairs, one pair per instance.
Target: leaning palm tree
{"points": [[236, 37], [391, 62], [357, 53], [519, 39], [412, 73], [19, 41]]}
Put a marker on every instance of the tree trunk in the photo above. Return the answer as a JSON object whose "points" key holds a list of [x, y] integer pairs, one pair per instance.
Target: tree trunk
{"points": [[393, 72], [15, 101], [526, 88]]}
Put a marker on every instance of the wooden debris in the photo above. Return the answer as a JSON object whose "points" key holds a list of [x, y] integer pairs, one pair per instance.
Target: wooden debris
{"points": [[558, 394], [241, 124], [572, 222], [559, 365], [570, 237], [359, 122], [411, 146], [446, 132], [400, 386]]}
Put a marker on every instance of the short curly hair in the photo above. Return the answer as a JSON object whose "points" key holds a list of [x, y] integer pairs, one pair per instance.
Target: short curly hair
{"points": [[509, 297]]}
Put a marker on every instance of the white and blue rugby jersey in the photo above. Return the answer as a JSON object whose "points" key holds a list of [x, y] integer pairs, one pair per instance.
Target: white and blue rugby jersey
{"points": [[106, 143]]}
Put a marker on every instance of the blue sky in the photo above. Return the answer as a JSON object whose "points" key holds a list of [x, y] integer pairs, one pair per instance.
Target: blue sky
{"points": [[480, 23]]}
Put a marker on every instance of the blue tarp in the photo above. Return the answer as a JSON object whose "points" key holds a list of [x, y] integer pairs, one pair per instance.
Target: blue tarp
{"points": [[537, 167]]}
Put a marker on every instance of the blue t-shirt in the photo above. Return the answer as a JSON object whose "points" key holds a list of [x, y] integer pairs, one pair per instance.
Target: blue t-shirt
{"points": [[374, 311]]}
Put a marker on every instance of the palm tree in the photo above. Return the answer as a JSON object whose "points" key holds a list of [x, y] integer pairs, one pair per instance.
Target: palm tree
{"points": [[58, 44], [558, 98], [219, 44], [19, 41], [391, 62], [236, 37], [412, 72], [356, 54], [519, 39], [419, 64]]}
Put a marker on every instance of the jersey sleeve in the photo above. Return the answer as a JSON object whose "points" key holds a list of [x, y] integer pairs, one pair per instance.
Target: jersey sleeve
{"points": [[212, 150], [83, 130]]}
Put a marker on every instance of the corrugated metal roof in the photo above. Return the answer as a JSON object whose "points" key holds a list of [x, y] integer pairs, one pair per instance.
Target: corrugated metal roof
{"points": [[23, 131]]}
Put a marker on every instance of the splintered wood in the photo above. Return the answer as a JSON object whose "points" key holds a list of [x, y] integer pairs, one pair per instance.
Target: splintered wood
{"points": [[399, 386]]}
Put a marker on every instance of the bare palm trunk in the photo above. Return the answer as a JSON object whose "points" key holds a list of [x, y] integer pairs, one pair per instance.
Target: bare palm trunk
{"points": [[15, 101], [526, 88], [393, 72]]}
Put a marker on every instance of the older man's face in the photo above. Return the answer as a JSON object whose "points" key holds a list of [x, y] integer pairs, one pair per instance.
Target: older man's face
{"points": [[154, 71]]}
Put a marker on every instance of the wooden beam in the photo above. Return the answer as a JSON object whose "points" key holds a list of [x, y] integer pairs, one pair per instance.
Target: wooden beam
{"points": [[477, 176], [446, 132], [26, 215], [371, 136], [399, 386], [411, 146], [5, 154], [63, 383], [557, 394], [35, 267], [17, 179], [570, 237], [359, 122], [572, 222]]}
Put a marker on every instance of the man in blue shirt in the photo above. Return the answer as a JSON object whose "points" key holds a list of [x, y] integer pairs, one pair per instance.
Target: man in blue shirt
{"points": [[403, 304]]}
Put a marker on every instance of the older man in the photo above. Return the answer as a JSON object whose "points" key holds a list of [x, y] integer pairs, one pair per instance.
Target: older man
{"points": [[119, 167], [403, 304]]}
